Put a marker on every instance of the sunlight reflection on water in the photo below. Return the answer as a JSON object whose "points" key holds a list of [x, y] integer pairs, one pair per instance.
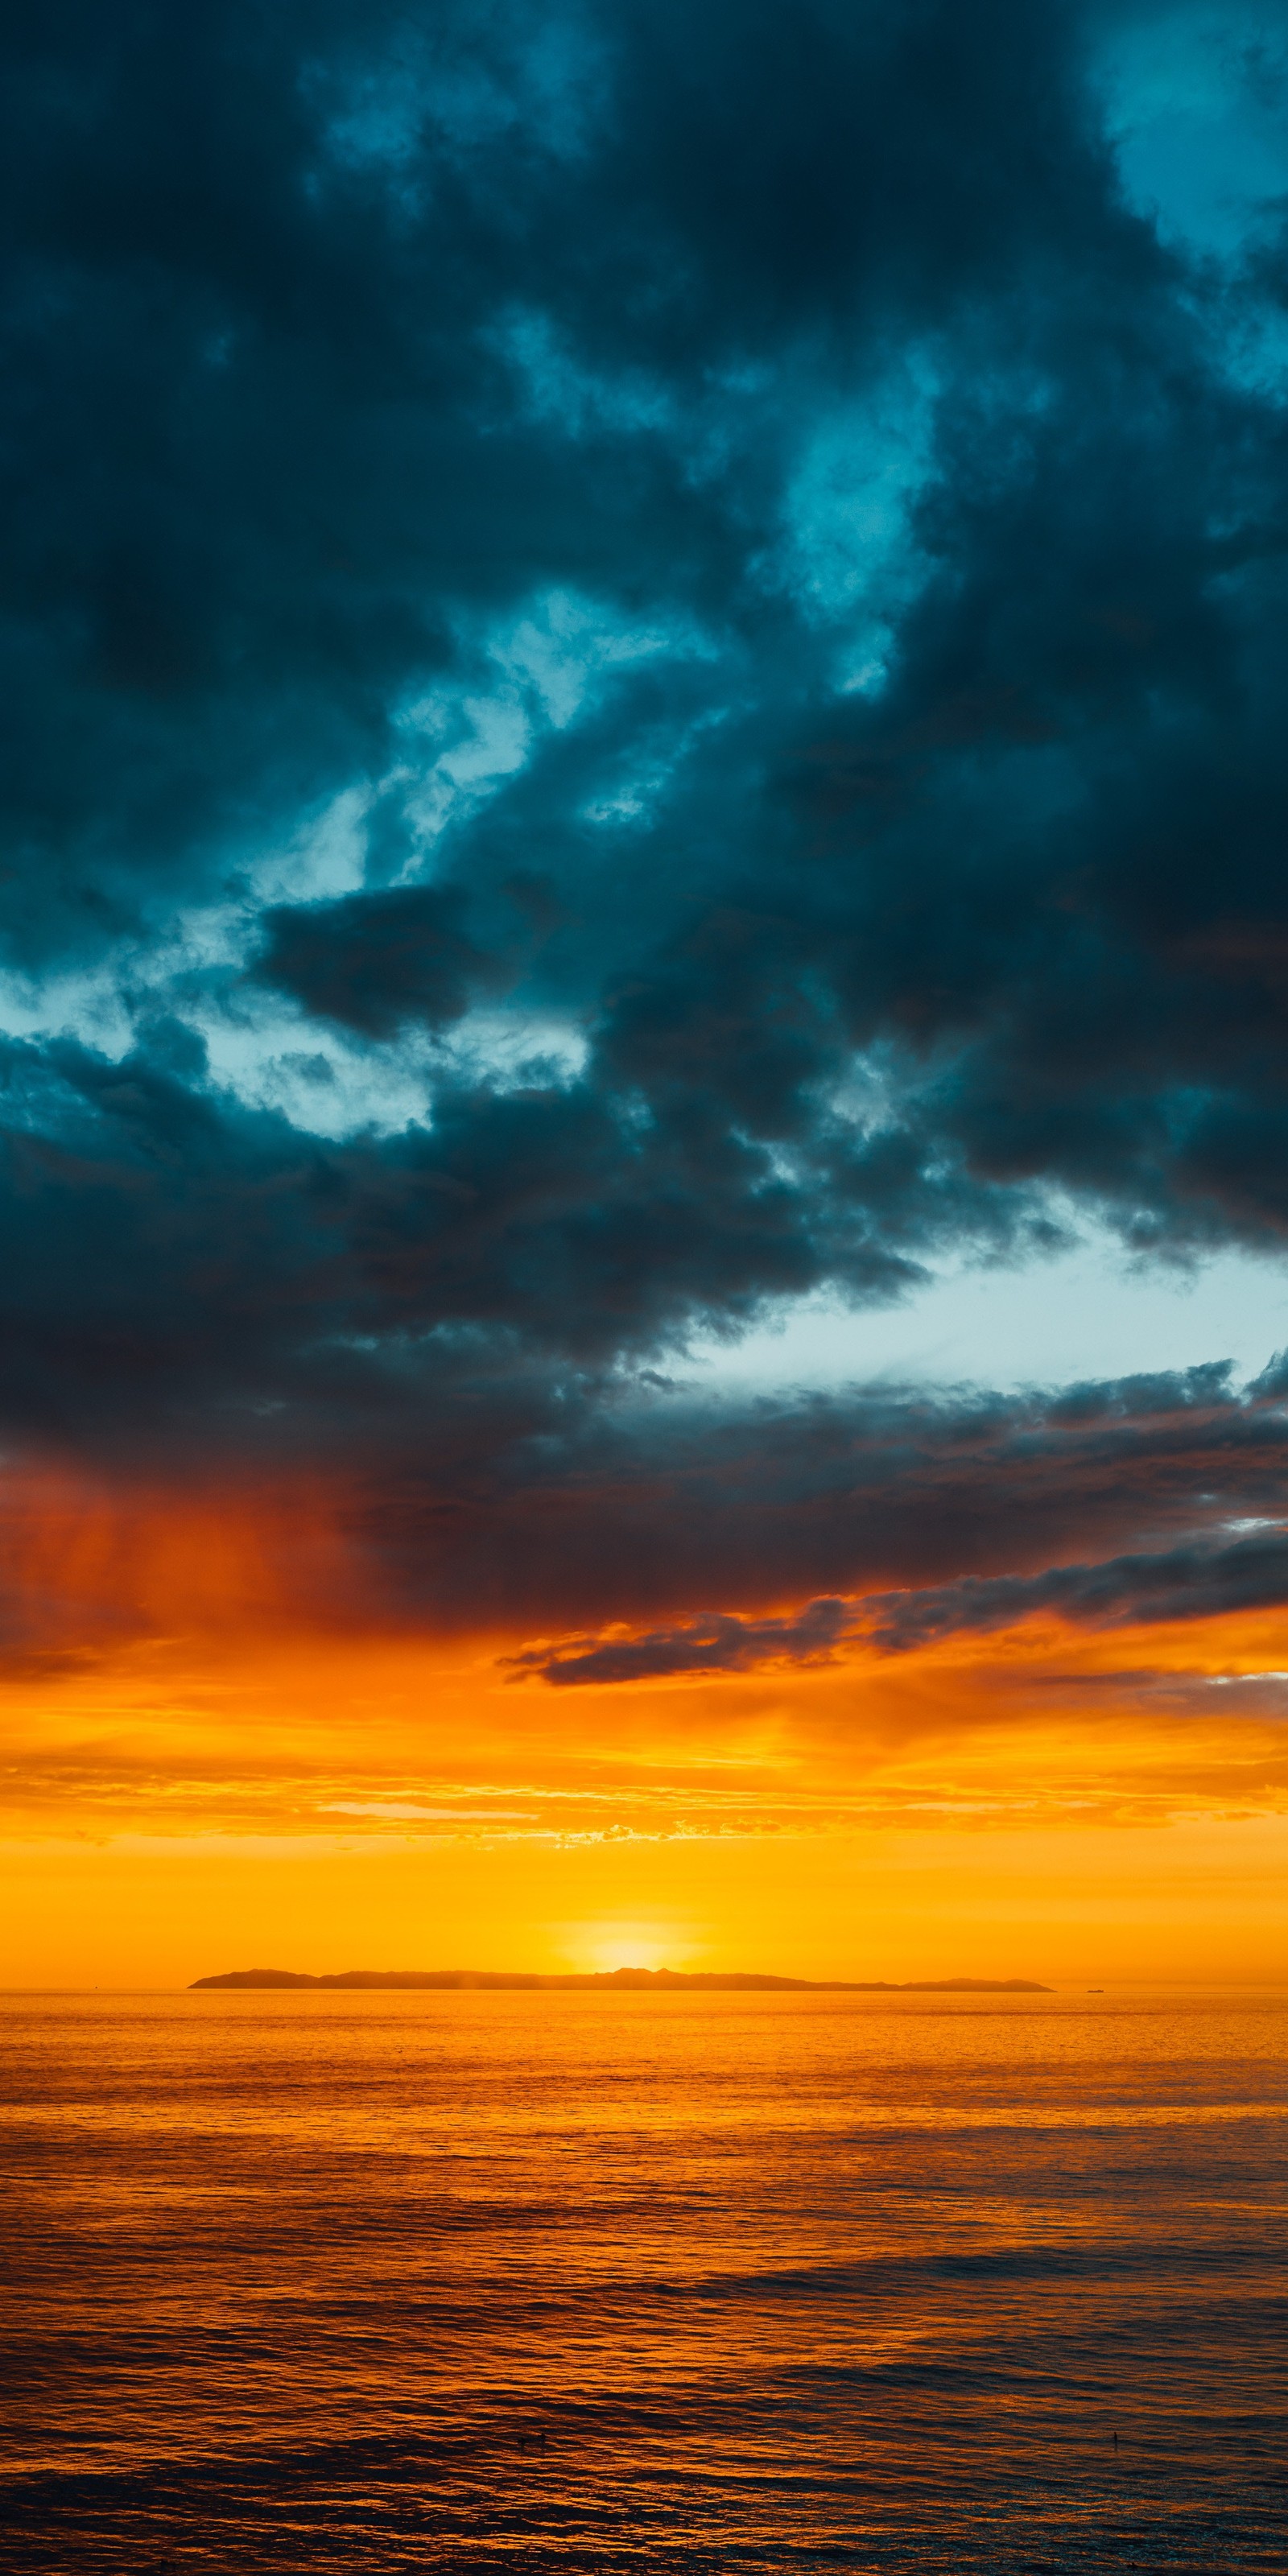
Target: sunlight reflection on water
{"points": [[657, 2282]]}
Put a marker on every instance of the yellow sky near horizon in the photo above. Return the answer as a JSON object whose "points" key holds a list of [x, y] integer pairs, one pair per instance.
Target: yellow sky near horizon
{"points": [[1045, 1801]]}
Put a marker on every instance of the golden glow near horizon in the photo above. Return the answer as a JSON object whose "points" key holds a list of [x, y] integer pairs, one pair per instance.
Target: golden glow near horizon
{"points": [[597, 1949], [241, 1787]]}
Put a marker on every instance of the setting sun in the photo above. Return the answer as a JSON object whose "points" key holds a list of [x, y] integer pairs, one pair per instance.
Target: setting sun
{"points": [[601, 1948]]}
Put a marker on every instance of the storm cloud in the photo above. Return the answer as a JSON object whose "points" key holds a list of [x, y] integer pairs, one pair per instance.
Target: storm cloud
{"points": [[1201, 1581], [644, 651]]}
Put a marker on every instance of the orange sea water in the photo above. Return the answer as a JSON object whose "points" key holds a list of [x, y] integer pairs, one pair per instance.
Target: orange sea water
{"points": [[644, 2282]]}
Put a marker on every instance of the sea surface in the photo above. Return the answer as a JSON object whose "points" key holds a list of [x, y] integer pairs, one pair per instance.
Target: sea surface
{"points": [[644, 2282]]}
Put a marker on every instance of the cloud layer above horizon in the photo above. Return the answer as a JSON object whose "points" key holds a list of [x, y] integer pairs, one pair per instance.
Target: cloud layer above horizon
{"points": [[645, 653]]}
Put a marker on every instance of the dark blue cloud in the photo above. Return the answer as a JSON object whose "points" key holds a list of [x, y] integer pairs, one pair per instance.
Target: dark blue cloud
{"points": [[1200, 1580], [644, 651], [567, 1510], [372, 961]]}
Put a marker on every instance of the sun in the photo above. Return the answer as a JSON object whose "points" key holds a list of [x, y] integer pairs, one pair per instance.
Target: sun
{"points": [[598, 1948]]}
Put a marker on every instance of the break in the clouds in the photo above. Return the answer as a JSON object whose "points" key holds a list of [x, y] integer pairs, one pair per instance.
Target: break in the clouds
{"points": [[644, 651]]}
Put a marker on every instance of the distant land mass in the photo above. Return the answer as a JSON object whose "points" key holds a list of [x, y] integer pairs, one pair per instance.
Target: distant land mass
{"points": [[630, 1980]]}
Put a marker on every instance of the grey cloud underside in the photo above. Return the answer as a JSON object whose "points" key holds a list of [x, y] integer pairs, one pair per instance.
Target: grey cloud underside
{"points": [[528, 1508], [519, 1505], [1198, 1581], [896, 851]]}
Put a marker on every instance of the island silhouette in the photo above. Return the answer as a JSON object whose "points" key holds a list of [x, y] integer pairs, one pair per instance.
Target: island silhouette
{"points": [[615, 1980]]}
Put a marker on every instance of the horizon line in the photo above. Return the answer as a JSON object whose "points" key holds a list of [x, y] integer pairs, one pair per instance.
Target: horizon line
{"points": [[645, 1980]]}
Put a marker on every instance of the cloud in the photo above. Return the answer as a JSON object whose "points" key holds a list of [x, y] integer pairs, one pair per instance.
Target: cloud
{"points": [[495, 1507], [776, 554], [718, 1644], [1200, 1581], [1203, 1580]]}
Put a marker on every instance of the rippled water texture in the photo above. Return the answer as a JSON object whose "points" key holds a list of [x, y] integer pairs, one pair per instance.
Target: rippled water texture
{"points": [[651, 2282]]}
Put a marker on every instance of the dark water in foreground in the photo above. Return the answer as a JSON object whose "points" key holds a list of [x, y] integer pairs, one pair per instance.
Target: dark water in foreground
{"points": [[646, 2282]]}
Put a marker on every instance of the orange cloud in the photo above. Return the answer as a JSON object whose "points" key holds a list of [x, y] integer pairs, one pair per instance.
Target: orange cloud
{"points": [[209, 1693]]}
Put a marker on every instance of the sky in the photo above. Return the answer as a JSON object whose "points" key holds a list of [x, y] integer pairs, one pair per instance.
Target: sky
{"points": [[643, 957]]}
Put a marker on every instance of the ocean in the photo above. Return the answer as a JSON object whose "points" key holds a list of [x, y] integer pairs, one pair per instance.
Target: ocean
{"points": [[644, 2282]]}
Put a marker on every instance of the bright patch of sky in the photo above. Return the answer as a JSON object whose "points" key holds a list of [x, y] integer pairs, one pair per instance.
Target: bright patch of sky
{"points": [[634, 796], [1197, 108], [406, 1811], [847, 554], [271, 1059], [325, 860], [426, 102], [549, 662], [558, 387], [1085, 1313], [267, 1054], [514, 1049]]}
